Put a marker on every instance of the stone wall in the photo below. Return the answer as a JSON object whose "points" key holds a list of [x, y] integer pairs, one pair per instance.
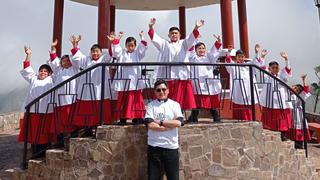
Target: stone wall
{"points": [[10, 121], [313, 117], [207, 151]]}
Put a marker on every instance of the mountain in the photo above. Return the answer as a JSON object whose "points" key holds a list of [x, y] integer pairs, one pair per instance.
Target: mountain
{"points": [[13, 100]]}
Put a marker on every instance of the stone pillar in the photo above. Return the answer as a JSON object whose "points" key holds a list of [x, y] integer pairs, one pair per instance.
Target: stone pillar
{"points": [[58, 23], [182, 21], [243, 27], [103, 22], [112, 18]]}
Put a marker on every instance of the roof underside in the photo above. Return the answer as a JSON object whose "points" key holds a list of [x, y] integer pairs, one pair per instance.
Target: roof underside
{"points": [[148, 5]]}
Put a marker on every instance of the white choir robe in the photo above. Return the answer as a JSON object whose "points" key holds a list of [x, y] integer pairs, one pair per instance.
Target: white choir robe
{"points": [[296, 132], [87, 111], [180, 87], [40, 113], [276, 113], [240, 91], [65, 95], [128, 82], [206, 85]]}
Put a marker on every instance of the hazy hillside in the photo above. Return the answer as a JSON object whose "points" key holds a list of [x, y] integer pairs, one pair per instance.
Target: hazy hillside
{"points": [[12, 101]]}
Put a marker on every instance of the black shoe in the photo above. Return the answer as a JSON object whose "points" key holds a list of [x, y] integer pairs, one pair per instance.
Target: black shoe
{"points": [[137, 121], [298, 144], [122, 122], [215, 115], [193, 118], [283, 137]]}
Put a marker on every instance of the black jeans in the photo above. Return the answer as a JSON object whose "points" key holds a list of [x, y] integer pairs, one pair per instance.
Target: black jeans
{"points": [[162, 158]]}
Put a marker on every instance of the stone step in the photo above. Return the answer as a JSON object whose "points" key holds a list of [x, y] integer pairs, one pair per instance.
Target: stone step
{"points": [[58, 159]]}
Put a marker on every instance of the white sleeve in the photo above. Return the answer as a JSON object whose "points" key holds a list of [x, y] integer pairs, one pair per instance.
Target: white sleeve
{"points": [[79, 59], [28, 73], [141, 49], [285, 72], [158, 42], [189, 41], [54, 64], [177, 110], [116, 50], [213, 54], [149, 111]]}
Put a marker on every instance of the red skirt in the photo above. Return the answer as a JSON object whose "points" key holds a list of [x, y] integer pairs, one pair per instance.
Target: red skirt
{"points": [[276, 119], [130, 105], [182, 92], [207, 101], [62, 120], [242, 112], [297, 134], [87, 113], [38, 129]]}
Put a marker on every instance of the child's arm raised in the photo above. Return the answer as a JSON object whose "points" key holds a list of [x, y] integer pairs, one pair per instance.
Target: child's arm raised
{"points": [[157, 41], [54, 60], [77, 58], [215, 50], [27, 72], [285, 72], [115, 44], [192, 38], [142, 46]]}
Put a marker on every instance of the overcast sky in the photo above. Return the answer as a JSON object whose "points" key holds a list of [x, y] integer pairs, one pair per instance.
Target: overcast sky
{"points": [[278, 25]]}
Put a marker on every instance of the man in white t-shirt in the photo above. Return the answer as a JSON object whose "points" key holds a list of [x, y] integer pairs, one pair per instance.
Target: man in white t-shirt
{"points": [[163, 117]]}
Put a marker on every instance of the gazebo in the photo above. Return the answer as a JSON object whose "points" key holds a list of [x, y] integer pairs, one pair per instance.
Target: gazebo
{"points": [[107, 13]]}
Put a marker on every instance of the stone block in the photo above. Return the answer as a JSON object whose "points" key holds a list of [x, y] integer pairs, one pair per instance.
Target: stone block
{"points": [[229, 157], [195, 152]]}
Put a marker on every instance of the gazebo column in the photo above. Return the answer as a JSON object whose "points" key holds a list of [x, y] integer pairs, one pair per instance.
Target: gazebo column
{"points": [[182, 21], [243, 27], [58, 24], [112, 18], [103, 23]]}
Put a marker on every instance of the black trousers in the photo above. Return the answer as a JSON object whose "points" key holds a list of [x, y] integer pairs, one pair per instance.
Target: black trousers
{"points": [[163, 159]]}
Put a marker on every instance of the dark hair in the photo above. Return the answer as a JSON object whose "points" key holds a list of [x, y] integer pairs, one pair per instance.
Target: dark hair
{"points": [[130, 39], [273, 63], [199, 44], [160, 81], [47, 67], [240, 52], [174, 28], [95, 46], [65, 56], [301, 88]]}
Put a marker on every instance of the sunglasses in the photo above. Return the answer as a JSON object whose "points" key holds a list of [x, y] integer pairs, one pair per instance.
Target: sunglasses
{"points": [[161, 89]]}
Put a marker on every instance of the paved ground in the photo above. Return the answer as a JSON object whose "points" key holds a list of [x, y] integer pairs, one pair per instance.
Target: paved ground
{"points": [[11, 152]]}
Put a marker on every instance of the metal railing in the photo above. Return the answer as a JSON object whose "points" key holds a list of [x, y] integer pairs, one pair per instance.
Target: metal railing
{"points": [[256, 79]]}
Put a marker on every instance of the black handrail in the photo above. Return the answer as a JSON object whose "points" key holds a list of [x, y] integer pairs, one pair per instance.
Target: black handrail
{"points": [[103, 65]]}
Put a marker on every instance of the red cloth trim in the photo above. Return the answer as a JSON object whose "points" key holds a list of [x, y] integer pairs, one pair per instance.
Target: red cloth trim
{"points": [[297, 134], [306, 88], [38, 130], [87, 113], [26, 64], [182, 92], [228, 59], [144, 42], [207, 101], [130, 105], [195, 33], [288, 70], [116, 41], [264, 67], [242, 112], [276, 119], [218, 44], [192, 48], [74, 51], [259, 60], [53, 56], [151, 33]]}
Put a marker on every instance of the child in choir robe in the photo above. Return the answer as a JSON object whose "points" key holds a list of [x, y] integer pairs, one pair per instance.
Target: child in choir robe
{"points": [[240, 92], [206, 84], [175, 50], [87, 112], [260, 60], [40, 113], [276, 114], [296, 133], [128, 79], [63, 69]]}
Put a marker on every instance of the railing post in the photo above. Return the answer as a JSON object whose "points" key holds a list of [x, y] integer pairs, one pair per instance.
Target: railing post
{"points": [[252, 93], [304, 128], [25, 145], [103, 80]]}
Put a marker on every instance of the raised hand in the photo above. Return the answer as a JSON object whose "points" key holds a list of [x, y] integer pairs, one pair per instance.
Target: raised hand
{"points": [[284, 55], [199, 23], [120, 35], [257, 48], [152, 22], [75, 40], [303, 77], [218, 38], [27, 50], [141, 34], [111, 36], [53, 45], [264, 52]]}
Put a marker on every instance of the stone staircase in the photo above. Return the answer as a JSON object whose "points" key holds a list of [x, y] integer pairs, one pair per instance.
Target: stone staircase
{"points": [[207, 151]]}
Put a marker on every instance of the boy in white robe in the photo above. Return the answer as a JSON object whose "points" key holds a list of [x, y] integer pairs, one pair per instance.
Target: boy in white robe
{"points": [[128, 79], [175, 50], [206, 84], [40, 113]]}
